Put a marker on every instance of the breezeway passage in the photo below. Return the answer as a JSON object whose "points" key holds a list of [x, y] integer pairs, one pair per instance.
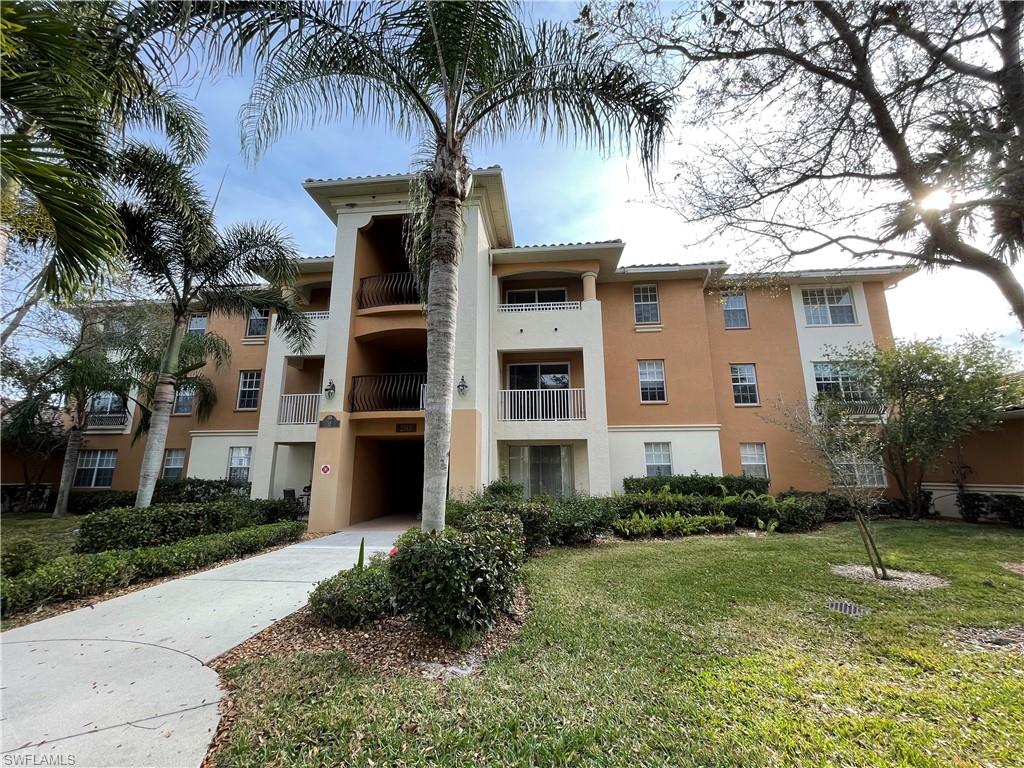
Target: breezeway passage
{"points": [[125, 682]]}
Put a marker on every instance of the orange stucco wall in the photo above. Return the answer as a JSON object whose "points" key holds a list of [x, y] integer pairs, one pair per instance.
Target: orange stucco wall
{"points": [[995, 458]]}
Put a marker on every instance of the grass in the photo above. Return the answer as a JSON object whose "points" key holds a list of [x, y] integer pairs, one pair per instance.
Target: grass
{"points": [[52, 535], [698, 652]]}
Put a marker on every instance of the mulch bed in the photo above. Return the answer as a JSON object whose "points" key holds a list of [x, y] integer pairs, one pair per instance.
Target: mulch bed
{"points": [[1014, 567], [388, 647], [906, 581], [979, 639], [55, 609]]}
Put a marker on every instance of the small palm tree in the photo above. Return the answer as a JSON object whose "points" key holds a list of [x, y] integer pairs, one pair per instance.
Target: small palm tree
{"points": [[75, 75], [448, 73], [173, 244]]}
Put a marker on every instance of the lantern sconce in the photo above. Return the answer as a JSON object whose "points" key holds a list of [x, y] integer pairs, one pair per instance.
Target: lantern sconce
{"points": [[330, 389], [463, 387]]}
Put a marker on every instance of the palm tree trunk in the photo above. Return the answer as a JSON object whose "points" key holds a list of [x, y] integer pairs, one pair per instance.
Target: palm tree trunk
{"points": [[160, 418], [67, 472], [442, 304]]}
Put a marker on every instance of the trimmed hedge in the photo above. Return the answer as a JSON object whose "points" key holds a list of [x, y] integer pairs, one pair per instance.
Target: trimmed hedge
{"points": [[454, 582], [20, 555], [130, 528], [354, 596], [642, 526], [533, 514], [74, 576], [1005, 507], [837, 508], [188, 490], [579, 519], [665, 503], [701, 485]]}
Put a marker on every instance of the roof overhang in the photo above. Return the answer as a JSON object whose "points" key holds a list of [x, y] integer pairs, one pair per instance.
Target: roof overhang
{"points": [[607, 254], [888, 276], [705, 271], [336, 195]]}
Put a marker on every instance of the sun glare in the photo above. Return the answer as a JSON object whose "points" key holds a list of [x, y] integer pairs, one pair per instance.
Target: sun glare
{"points": [[937, 200]]}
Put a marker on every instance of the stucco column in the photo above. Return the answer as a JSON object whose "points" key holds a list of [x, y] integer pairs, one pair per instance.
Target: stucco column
{"points": [[589, 286]]}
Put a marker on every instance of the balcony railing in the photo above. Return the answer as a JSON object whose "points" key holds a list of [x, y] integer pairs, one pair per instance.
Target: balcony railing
{"points": [[543, 306], [387, 290], [299, 409], [116, 419], [388, 392], [318, 314], [847, 407], [541, 405]]}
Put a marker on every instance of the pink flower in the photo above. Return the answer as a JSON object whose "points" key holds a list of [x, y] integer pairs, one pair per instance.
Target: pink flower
{"points": [[393, 552]]}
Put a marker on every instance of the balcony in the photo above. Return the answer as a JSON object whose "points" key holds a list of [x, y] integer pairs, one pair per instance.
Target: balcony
{"points": [[299, 409], [547, 325], [544, 306], [106, 419], [388, 290], [541, 405], [387, 392]]}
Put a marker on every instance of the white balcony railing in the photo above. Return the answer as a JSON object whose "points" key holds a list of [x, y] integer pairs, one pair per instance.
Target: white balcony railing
{"points": [[541, 405], [318, 314], [299, 409], [543, 306]]}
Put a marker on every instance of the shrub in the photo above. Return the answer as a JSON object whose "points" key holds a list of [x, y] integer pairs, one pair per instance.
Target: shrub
{"points": [[84, 502], [899, 508], [354, 596], [1009, 508], [193, 490], [700, 485], [534, 514], [798, 514], [130, 528], [503, 487], [665, 503], [499, 520], [642, 526], [579, 519], [974, 506], [73, 576], [20, 555], [454, 582], [748, 509], [837, 508]]}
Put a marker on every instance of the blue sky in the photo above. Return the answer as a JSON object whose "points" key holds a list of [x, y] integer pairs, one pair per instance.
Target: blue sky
{"points": [[557, 193]]}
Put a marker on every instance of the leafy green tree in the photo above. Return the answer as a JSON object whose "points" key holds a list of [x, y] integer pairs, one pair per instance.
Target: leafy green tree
{"points": [[928, 396], [174, 245], [449, 74]]}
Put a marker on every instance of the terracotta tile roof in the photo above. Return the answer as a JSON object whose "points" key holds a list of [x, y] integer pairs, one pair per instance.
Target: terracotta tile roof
{"points": [[674, 265], [385, 176], [566, 245]]}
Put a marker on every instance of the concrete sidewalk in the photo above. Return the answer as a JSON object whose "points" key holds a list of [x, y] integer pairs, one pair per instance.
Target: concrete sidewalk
{"points": [[125, 682]]}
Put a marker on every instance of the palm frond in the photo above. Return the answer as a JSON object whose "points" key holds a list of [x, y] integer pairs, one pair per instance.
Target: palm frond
{"points": [[240, 301]]}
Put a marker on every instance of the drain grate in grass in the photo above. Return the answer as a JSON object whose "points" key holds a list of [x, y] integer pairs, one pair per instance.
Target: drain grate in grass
{"points": [[847, 608]]}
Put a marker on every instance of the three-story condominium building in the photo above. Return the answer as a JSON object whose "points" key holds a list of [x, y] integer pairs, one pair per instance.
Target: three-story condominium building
{"points": [[572, 372]]}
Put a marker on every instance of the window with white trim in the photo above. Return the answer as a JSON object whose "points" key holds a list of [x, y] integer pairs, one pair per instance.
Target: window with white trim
{"points": [[859, 473], [259, 319], [174, 463], [744, 384], [107, 403], [658, 458], [95, 469], [652, 381], [535, 296], [734, 309], [239, 459], [197, 324], [754, 460], [840, 381], [183, 399], [828, 306], [248, 390], [645, 304]]}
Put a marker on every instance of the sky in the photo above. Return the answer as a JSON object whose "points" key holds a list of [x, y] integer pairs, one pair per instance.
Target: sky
{"points": [[557, 193]]}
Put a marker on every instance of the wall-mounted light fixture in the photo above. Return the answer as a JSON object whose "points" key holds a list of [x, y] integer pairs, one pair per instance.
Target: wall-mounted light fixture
{"points": [[463, 387], [330, 389]]}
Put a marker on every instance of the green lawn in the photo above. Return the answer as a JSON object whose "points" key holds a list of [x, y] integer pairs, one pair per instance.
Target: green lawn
{"points": [[52, 535], [700, 652]]}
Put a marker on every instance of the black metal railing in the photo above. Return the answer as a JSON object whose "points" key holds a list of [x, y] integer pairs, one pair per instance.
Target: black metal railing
{"points": [[116, 419], [387, 392], [388, 289]]}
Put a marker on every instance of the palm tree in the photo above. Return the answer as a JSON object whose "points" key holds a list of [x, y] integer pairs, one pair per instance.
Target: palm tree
{"points": [[75, 75], [448, 73], [173, 244]]}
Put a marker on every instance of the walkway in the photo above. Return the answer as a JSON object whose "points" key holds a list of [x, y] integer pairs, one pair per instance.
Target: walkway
{"points": [[125, 682]]}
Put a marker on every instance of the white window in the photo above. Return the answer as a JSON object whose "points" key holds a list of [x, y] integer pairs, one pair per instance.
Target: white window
{"points": [[658, 457], [754, 459], [744, 384], [259, 319], [840, 381], [197, 324], [174, 463], [828, 306], [239, 458], [95, 469], [645, 304], [183, 401], [535, 296], [106, 402], [652, 381], [248, 390], [541, 470], [734, 308], [860, 473]]}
